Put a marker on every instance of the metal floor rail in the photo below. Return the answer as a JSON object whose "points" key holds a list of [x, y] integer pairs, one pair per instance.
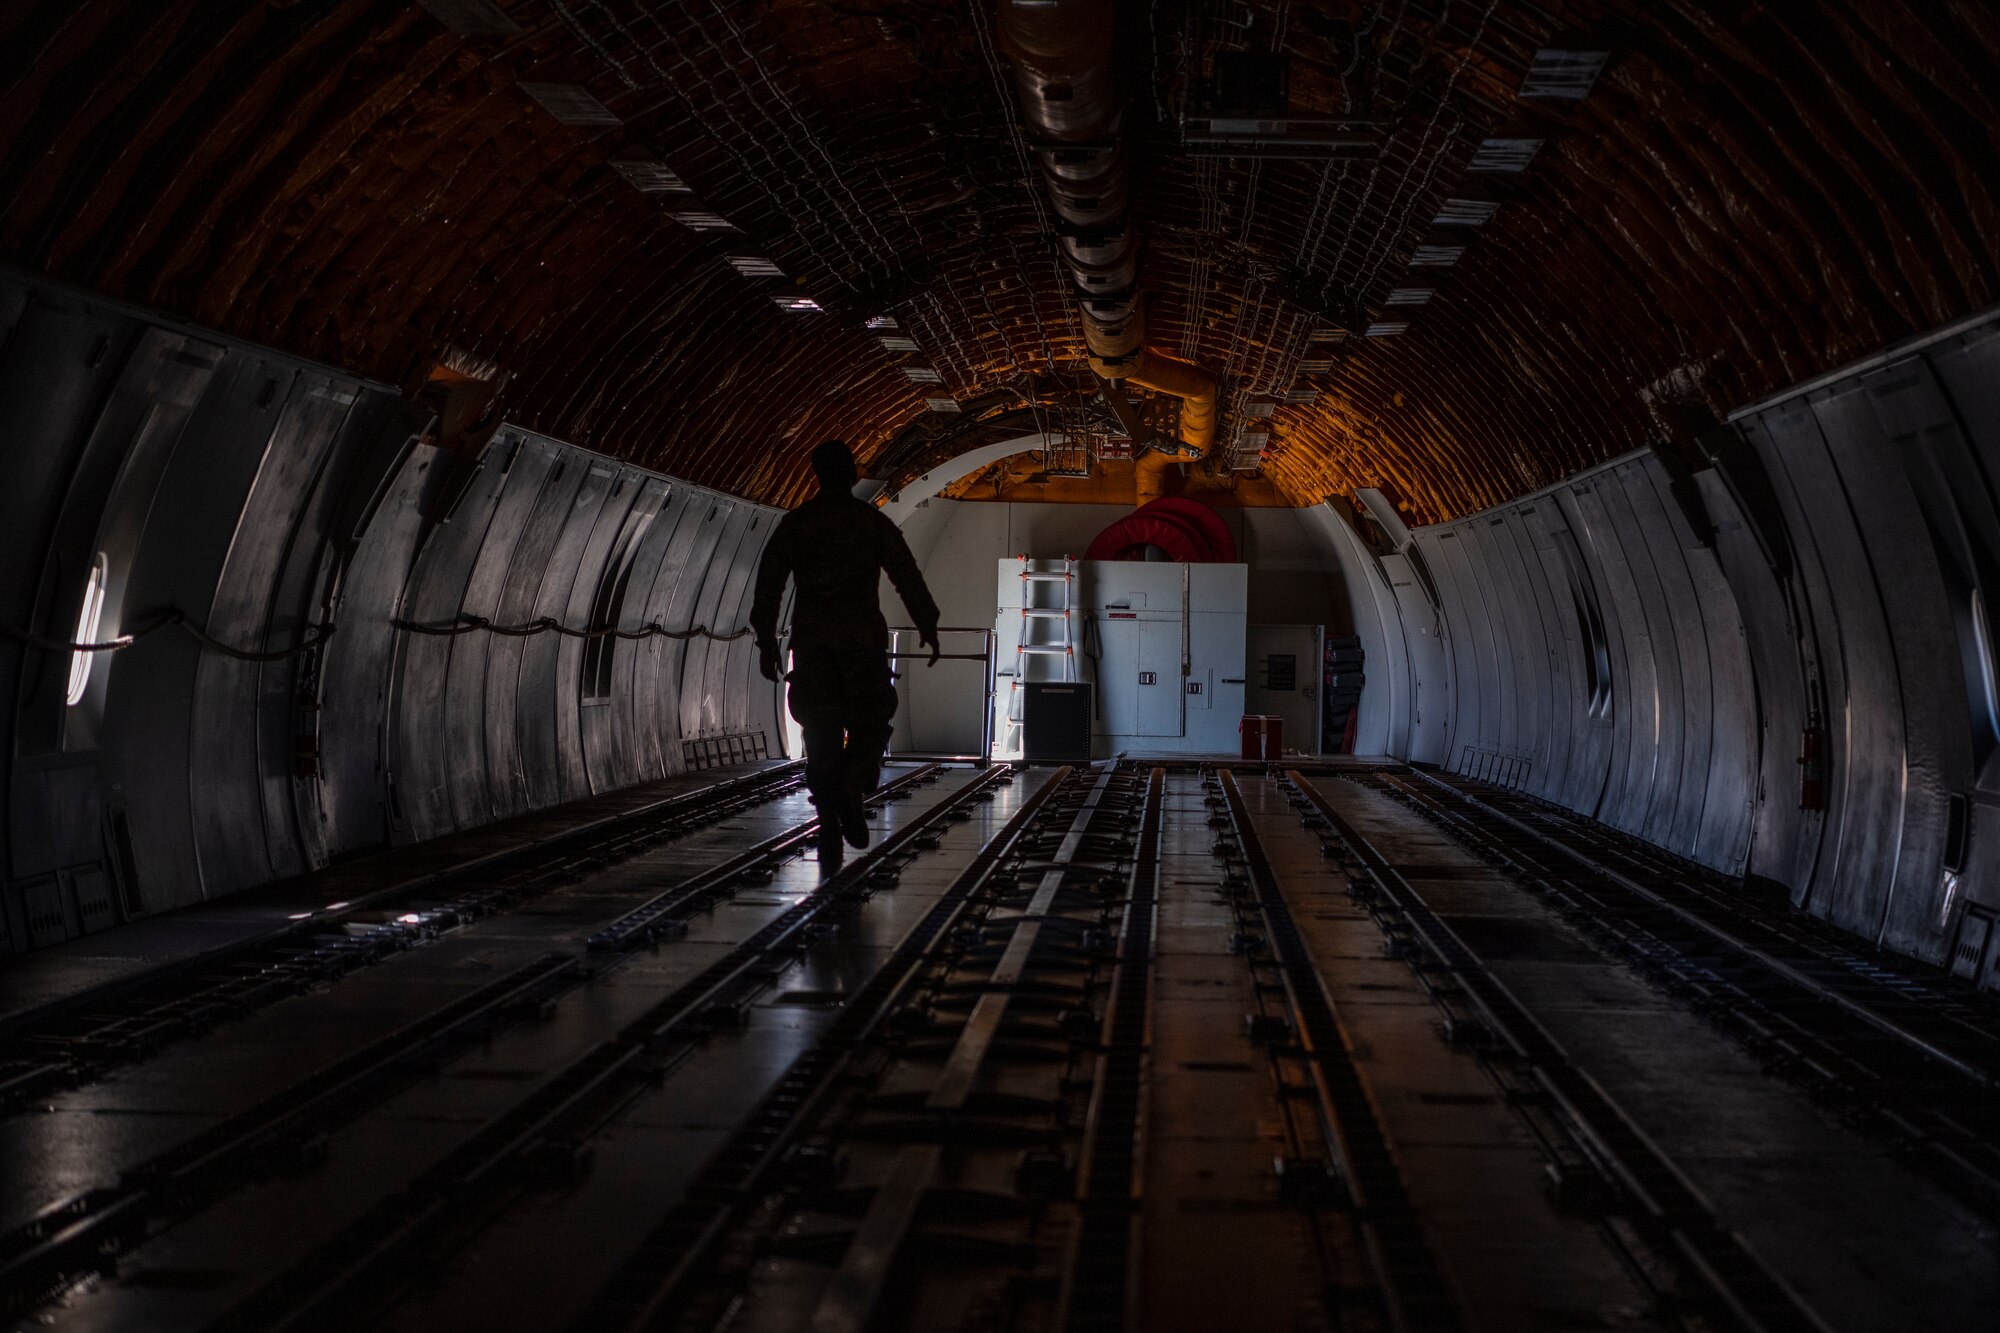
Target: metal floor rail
{"points": [[1734, 1286], [85, 1233], [363, 1268], [1097, 1277], [1914, 1001], [1937, 1009], [1411, 1286], [864, 1151], [1945, 1121], [72, 1042]]}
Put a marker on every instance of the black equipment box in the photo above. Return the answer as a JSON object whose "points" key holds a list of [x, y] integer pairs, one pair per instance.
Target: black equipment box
{"points": [[1055, 721]]}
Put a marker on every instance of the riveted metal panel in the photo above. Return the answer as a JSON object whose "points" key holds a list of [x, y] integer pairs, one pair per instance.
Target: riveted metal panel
{"points": [[55, 808], [1477, 614], [554, 772], [1566, 575], [626, 490], [364, 454], [656, 707], [1783, 839], [59, 361], [704, 532], [1720, 761], [701, 710], [1541, 662], [506, 760], [1521, 617], [104, 510], [635, 743], [357, 792], [1863, 718], [244, 749], [1674, 821], [1492, 612], [1432, 695], [165, 729], [610, 748], [1545, 657], [1468, 714], [1439, 548], [1905, 429], [1403, 655], [459, 524], [724, 681], [1385, 708], [1634, 684], [523, 464], [1968, 370]]}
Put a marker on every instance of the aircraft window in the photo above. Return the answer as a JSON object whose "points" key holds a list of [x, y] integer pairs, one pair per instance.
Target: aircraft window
{"points": [[86, 632], [1985, 692]]}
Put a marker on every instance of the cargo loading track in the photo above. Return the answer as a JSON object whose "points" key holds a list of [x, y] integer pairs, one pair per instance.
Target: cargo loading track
{"points": [[366, 1264], [87, 1232], [1408, 1282], [1720, 1277], [992, 1115], [1902, 1056], [71, 1042], [986, 979], [1919, 1004]]}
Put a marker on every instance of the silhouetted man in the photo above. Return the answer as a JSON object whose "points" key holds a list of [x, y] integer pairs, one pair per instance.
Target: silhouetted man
{"points": [[835, 548]]}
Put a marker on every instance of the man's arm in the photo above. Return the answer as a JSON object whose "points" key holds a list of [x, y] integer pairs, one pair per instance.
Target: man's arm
{"points": [[773, 568], [901, 567]]}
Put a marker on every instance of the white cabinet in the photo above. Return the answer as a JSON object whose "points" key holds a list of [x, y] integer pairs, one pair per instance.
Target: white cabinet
{"points": [[1164, 646]]}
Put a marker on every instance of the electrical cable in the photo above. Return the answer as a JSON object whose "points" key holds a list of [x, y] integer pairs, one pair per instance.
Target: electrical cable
{"points": [[176, 618], [549, 624], [316, 635]]}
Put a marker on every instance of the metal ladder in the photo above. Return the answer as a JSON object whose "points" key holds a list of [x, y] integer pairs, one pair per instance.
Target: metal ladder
{"points": [[1034, 646]]}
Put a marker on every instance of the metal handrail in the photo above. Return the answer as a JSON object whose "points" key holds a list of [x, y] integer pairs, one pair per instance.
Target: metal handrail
{"points": [[989, 639]]}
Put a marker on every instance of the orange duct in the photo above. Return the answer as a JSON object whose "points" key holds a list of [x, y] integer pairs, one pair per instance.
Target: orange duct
{"points": [[1194, 385]]}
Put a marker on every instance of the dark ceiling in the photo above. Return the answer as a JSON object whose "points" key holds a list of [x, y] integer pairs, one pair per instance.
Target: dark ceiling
{"points": [[1750, 194]]}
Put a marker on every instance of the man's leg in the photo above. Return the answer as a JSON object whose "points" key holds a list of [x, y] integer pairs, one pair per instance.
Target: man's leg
{"points": [[870, 698], [825, 771], [815, 702]]}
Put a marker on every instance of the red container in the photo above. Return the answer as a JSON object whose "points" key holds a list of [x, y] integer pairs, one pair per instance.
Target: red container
{"points": [[1263, 736]]}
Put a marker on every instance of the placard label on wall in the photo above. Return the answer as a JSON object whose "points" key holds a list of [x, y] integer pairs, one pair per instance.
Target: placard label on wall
{"points": [[1149, 678]]}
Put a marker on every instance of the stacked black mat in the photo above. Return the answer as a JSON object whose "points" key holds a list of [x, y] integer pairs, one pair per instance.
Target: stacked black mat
{"points": [[1342, 678]]}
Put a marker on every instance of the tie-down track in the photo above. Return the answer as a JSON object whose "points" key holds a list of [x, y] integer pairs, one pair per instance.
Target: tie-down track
{"points": [[1161, 1046]]}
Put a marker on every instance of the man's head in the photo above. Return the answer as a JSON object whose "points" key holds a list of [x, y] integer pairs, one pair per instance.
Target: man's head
{"points": [[833, 464]]}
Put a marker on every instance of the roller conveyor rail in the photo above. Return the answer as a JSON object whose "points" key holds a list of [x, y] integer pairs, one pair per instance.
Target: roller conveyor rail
{"points": [[84, 1234], [368, 1262], [653, 1280], [902, 1082], [1946, 1018], [851, 1298], [1734, 1287], [1097, 1276], [1878, 1069], [1408, 1280], [73, 1041]]}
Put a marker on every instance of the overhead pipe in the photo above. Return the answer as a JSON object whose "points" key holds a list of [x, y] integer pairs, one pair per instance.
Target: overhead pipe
{"points": [[1067, 80]]}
